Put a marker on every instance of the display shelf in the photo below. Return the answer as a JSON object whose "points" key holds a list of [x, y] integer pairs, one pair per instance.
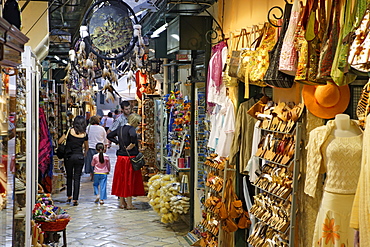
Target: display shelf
{"points": [[273, 162], [174, 166], [288, 197], [270, 193], [279, 132]]}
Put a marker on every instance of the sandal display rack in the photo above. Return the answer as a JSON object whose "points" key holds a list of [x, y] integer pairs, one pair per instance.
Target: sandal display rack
{"points": [[275, 202], [209, 228]]}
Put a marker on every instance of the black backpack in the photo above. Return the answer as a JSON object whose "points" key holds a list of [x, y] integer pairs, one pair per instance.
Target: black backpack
{"points": [[11, 13]]}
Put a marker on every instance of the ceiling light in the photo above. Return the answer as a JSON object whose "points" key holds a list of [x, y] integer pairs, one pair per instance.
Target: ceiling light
{"points": [[159, 31], [56, 57], [64, 61], [175, 36]]}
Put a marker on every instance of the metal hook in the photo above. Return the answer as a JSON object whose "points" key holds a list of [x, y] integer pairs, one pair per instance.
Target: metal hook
{"points": [[268, 15]]}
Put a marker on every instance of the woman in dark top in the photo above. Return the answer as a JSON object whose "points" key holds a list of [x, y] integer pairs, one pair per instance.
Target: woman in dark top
{"points": [[77, 141], [126, 181]]}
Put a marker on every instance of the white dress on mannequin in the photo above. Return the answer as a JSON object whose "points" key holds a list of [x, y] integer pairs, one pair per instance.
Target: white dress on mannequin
{"points": [[341, 155]]}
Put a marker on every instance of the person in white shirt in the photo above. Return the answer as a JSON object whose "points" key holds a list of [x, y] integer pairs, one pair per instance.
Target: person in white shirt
{"points": [[96, 134]]}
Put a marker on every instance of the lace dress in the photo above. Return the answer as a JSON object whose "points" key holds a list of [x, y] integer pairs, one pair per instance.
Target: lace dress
{"points": [[342, 164]]}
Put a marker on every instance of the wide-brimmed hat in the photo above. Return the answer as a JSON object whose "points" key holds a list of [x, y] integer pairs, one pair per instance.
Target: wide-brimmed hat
{"points": [[326, 101]]}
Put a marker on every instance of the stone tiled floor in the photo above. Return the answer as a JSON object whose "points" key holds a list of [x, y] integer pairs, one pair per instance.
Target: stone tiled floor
{"points": [[108, 226]]}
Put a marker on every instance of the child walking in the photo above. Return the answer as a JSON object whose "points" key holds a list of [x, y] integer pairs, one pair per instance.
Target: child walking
{"points": [[101, 164]]}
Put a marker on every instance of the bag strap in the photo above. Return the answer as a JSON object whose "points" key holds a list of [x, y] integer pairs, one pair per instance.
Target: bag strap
{"points": [[65, 139], [120, 136]]}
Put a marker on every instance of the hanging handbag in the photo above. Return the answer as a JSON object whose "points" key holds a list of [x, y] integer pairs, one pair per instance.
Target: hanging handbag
{"points": [[273, 76], [235, 54], [244, 221], [138, 161], [259, 61], [352, 19], [310, 38], [289, 55], [246, 52], [329, 44], [363, 105], [61, 150], [229, 225], [360, 48]]}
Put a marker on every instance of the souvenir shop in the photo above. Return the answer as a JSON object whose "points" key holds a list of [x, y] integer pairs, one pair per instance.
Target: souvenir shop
{"points": [[260, 138], [276, 173]]}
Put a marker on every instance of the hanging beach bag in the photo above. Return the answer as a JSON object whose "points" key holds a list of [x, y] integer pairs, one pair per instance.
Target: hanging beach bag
{"points": [[273, 76], [246, 52], [289, 55], [309, 53], [341, 69], [259, 63], [329, 44], [360, 48], [235, 54]]}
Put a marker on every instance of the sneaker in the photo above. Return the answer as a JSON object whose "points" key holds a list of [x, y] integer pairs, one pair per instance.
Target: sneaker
{"points": [[101, 202], [97, 199]]}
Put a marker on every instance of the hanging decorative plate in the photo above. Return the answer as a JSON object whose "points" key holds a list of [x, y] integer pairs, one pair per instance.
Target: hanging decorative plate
{"points": [[110, 27]]}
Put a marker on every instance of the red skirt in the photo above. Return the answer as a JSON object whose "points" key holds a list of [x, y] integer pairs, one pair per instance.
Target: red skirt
{"points": [[126, 181]]}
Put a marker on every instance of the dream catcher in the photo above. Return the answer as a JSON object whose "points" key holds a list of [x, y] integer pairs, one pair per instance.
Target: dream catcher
{"points": [[110, 29]]}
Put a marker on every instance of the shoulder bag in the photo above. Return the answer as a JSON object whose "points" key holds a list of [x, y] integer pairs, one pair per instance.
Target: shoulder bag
{"points": [[61, 150], [138, 161], [310, 38], [329, 43], [273, 76]]}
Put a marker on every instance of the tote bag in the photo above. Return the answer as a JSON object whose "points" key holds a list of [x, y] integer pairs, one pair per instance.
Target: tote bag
{"points": [[273, 76], [235, 54], [310, 47]]}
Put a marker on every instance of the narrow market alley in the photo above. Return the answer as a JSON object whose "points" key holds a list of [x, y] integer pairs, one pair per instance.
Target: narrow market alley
{"points": [[107, 225]]}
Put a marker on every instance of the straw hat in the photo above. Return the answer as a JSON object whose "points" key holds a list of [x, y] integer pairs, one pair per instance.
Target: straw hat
{"points": [[326, 101]]}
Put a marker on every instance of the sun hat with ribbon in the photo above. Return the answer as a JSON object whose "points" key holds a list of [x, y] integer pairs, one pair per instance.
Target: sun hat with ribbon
{"points": [[326, 101]]}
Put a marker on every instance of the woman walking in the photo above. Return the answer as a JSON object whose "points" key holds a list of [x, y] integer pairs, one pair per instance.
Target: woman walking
{"points": [[126, 181], [96, 135], [101, 164], [74, 159]]}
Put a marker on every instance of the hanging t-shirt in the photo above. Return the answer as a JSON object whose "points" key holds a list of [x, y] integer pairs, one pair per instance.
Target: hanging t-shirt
{"points": [[227, 130], [216, 123]]}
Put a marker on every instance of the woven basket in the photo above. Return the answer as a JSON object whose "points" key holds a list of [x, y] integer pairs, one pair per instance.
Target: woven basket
{"points": [[54, 226]]}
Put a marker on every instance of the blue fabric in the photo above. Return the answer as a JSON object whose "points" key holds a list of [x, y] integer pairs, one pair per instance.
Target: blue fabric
{"points": [[100, 185], [89, 156]]}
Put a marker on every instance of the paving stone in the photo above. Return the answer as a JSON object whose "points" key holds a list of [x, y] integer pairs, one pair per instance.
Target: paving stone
{"points": [[107, 225]]}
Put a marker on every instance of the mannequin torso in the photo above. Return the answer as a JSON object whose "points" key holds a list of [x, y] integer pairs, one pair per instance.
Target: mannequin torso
{"points": [[344, 127]]}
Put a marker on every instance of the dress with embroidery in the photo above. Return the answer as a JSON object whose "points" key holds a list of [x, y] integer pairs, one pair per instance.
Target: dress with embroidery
{"points": [[341, 163]]}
